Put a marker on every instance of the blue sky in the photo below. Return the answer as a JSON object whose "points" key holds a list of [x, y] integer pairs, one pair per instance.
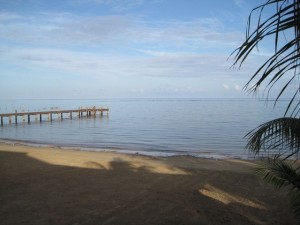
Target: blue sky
{"points": [[123, 48]]}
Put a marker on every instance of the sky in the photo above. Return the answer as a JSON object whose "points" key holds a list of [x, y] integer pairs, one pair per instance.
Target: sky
{"points": [[81, 49]]}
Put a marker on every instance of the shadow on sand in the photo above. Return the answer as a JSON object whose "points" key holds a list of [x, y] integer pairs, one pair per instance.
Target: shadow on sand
{"points": [[34, 192]]}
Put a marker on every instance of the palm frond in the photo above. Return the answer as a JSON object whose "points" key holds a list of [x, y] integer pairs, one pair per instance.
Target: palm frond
{"points": [[286, 58], [295, 203], [279, 134], [282, 174]]}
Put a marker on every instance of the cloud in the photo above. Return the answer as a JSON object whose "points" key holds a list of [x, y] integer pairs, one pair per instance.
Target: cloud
{"points": [[153, 65], [243, 6], [123, 49], [237, 87], [115, 31], [66, 30], [138, 90], [8, 16], [226, 87], [116, 5]]}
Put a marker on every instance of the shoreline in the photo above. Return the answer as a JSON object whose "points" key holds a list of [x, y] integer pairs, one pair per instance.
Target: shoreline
{"points": [[154, 153], [39, 149]]}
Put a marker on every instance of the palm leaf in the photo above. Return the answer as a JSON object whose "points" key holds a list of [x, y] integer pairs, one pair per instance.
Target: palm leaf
{"points": [[280, 137], [281, 174], [282, 134], [295, 203], [286, 57]]}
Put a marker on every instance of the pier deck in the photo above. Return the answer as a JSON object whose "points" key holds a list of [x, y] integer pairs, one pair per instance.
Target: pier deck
{"points": [[81, 112]]}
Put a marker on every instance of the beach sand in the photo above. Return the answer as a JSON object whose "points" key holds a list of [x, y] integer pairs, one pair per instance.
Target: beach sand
{"points": [[55, 186]]}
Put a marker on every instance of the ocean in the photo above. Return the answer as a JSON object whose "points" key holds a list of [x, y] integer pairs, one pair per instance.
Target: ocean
{"points": [[210, 128]]}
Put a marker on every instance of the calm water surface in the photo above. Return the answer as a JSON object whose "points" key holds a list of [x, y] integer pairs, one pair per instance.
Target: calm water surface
{"points": [[199, 127]]}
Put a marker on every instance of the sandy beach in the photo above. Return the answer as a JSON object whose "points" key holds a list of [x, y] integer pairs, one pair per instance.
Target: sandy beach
{"points": [[55, 186]]}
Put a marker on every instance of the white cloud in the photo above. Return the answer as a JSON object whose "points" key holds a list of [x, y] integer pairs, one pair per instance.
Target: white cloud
{"points": [[113, 48], [65, 29], [243, 6], [155, 65], [237, 87], [8, 16], [226, 87]]}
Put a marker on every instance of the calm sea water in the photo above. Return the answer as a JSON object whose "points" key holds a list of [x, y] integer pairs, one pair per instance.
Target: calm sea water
{"points": [[198, 127]]}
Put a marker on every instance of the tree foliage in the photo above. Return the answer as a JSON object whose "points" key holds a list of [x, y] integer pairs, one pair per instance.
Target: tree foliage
{"points": [[279, 137], [283, 24], [281, 174]]}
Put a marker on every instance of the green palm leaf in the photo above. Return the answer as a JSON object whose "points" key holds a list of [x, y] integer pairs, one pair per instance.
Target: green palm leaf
{"points": [[280, 136], [281, 174]]}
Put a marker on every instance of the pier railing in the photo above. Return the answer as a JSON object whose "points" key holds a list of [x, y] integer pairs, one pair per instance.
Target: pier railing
{"points": [[81, 112]]}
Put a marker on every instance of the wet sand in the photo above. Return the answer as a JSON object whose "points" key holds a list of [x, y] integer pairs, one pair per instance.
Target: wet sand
{"points": [[55, 186]]}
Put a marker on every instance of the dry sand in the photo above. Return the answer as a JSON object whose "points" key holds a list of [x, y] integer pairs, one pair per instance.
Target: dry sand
{"points": [[54, 186]]}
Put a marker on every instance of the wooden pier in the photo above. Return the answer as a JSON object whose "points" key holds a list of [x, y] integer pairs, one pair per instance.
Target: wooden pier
{"points": [[81, 112]]}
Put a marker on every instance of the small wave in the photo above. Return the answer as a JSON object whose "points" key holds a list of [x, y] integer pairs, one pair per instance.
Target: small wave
{"points": [[154, 153]]}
